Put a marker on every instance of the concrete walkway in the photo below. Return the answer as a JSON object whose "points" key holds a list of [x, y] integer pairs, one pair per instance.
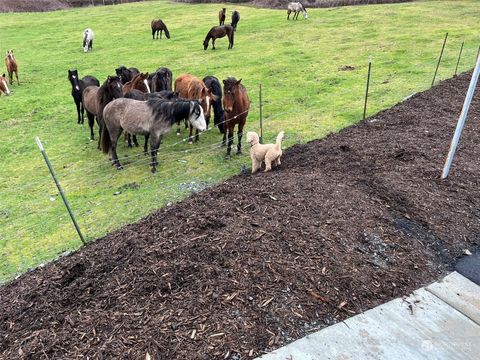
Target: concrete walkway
{"points": [[439, 321]]}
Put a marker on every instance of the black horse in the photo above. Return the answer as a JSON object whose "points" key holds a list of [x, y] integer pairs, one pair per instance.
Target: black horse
{"points": [[125, 74], [213, 84], [219, 32], [235, 19], [161, 80], [77, 90]]}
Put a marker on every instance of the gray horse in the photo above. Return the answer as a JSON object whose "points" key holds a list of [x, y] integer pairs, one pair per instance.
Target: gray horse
{"points": [[153, 118]]}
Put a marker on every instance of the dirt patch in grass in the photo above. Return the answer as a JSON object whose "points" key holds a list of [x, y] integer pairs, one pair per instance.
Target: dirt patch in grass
{"points": [[347, 223]]}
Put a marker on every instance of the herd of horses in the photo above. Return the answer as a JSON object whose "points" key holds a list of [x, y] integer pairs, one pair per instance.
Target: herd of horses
{"points": [[146, 104]]}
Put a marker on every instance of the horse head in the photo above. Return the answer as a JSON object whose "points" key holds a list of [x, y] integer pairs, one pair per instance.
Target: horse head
{"points": [[196, 117], [3, 85], [73, 77], [114, 87], [141, 82], [205, 44], [230, 88], [206, 98]]}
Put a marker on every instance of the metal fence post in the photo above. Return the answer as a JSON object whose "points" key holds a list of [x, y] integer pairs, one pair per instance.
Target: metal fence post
{"points": [[439, 59], [461, 120], [62, 194], [458, 61], [261, 117], [368, 85]]}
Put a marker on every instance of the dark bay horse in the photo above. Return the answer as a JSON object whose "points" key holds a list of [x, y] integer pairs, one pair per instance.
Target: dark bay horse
{"points": [[159, 26], [12, 66], [212, 83], [4, 86], [219, 32], [221, 16], [78, 85], [235, 19], [153, 117], [96, 98], [139, 82], [236, 104], [161, 80], [125, 74], [192, 88]]}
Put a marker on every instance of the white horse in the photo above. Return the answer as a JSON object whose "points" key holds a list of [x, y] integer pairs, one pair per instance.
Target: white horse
{"points": [[88, 40], [296, 7]]}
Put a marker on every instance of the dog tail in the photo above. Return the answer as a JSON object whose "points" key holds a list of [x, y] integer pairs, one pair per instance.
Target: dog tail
{"points": [[278, 143]]}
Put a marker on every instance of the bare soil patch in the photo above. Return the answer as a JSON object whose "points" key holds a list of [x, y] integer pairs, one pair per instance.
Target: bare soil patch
{"points": [[347, 223]]}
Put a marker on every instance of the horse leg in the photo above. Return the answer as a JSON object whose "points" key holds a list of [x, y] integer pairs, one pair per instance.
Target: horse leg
{"points": [[10, 77], [240, 134], [213, 44], [161, 31], [196, 135], [145, 146], [230, 140], [79, 118], [178, 128], [288, 14], [190, 131], [135, 142], [129, 140], [154, 144], [91, 122], [82, 112]]}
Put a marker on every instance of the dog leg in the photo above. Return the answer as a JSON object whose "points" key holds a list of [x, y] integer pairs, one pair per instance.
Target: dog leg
{"points": [[255, 165], [268, 164]]}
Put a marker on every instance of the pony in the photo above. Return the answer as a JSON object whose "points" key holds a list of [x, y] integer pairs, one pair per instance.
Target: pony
{"points": [[219, 32], [78, 85], [159, 26], [212, 83], [236, 104], [125, 74], [88, 36], [235, 19], [161, 80], [96, 98], [153, 117], [4, 86], [139, 82], [296, 7], [221, 17], [190, 87], [12, 66]]}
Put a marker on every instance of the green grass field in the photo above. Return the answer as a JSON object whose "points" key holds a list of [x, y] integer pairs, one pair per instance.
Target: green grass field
{"points": [[299, 64]]}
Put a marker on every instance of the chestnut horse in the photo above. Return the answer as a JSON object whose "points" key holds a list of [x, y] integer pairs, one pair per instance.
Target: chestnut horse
{"points": [[4, 86], [12, 66], [192, 88], [236, 104], [139, 82], [221, 17], [159, 26], [219, 32]]}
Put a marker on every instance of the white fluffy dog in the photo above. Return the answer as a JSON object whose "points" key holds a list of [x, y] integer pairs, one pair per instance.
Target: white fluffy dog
{"points": [[270, 153]]}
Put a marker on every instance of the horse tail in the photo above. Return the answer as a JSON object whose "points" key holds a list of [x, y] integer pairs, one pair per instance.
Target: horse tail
{"points": [[105, 139], [278, 143]]}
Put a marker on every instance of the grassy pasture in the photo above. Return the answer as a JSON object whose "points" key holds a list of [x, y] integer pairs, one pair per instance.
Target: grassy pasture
{"points": [[306, 91]]}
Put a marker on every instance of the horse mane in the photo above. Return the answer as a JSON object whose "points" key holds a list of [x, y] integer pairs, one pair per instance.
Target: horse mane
{"points": [[103, 94], [168, 110], [229, 82]]}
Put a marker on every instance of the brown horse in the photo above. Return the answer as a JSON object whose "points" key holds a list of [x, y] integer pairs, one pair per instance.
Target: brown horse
{"points": [[95, 99], [236, 104], [139, 82], [159, 26], [192, 88], [12, 66], [4, 86], [219, 32], [221, 16]]}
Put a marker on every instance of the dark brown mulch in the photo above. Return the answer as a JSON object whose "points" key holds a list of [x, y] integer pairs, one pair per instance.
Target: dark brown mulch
{"points": [[346, 223]]}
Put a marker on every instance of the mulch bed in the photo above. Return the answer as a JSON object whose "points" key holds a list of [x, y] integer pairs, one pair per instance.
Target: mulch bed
{"points": [[347, 223]]}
